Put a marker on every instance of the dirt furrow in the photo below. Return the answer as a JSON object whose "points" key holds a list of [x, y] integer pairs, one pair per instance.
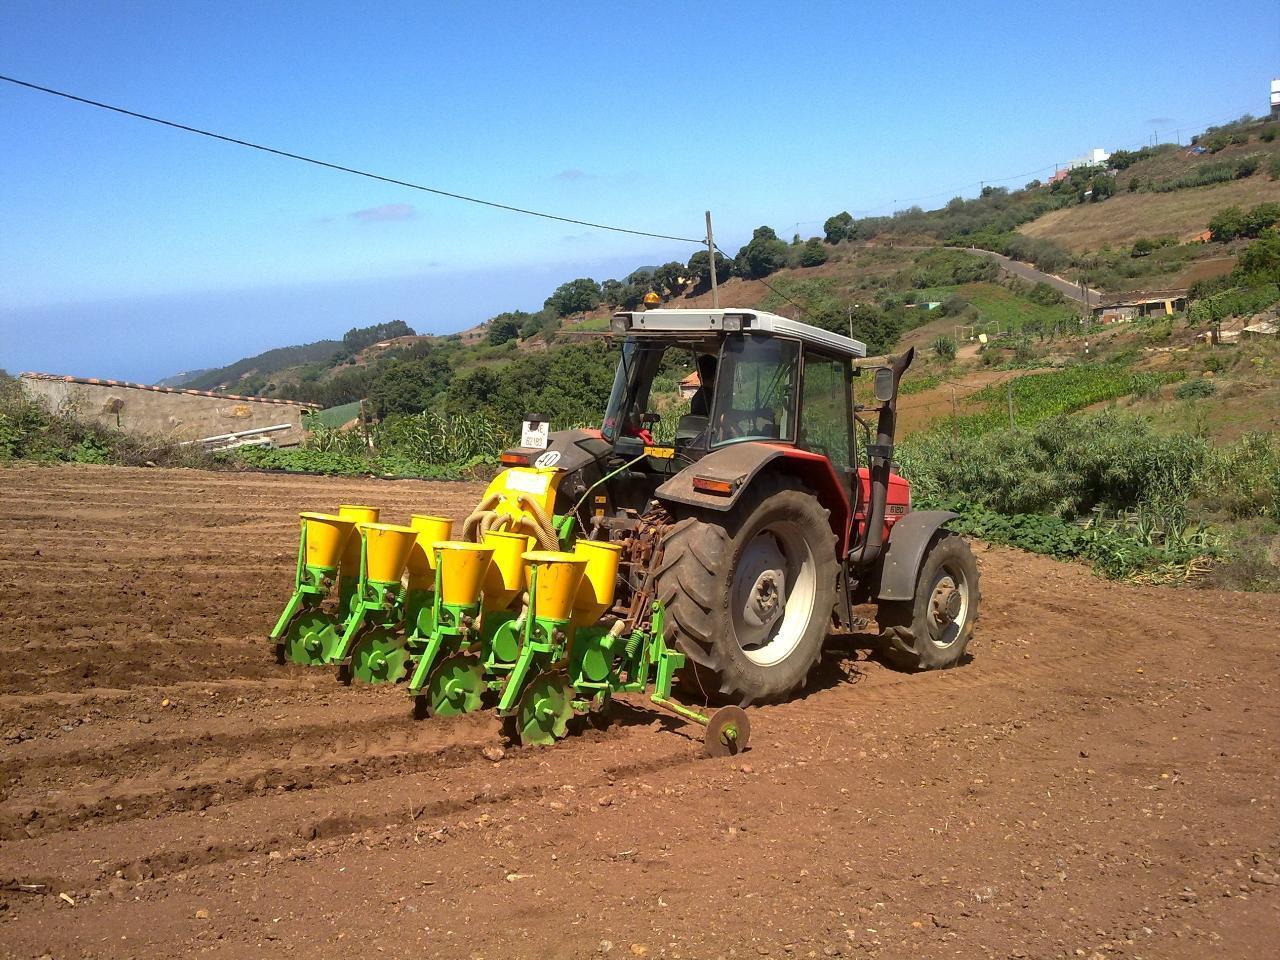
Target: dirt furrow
{"points": [[1101, 777]]}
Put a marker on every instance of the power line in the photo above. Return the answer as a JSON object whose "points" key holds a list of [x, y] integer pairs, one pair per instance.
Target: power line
{"points": [[765, 282], [339, 167]]}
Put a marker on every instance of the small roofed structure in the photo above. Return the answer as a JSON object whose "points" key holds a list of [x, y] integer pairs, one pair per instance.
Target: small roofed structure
{"points": [[689, 385], [1141, 304]]}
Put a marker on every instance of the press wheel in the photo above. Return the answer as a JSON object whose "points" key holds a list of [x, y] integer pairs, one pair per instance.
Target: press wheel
{"points": [[379, 656], [545, 708], [308, 638], [455, 686]]}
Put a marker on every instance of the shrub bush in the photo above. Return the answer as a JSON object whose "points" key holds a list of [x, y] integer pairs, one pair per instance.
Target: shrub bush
{"points": [[1194, 389], [1064, 466]]}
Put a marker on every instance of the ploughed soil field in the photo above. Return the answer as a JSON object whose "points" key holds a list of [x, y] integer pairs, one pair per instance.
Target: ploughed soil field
{"points": [[1100, 780]]}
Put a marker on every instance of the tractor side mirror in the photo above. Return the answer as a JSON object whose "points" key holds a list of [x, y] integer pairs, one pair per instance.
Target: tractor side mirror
{"points": [[883, 384]]}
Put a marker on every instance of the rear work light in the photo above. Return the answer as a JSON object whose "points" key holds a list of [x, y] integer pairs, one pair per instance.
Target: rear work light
{"points": [[723, 488], [512, 459]]}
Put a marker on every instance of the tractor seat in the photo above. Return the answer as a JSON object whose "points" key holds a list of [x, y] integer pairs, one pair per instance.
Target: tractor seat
{"points": [[691, 430]]}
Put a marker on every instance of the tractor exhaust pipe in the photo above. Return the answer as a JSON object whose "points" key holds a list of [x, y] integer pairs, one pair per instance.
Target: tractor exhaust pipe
{"points": [[880, 454]]}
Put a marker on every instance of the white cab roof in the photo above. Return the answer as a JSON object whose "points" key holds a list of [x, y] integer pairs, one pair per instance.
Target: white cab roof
{"points": [[712, 321]]}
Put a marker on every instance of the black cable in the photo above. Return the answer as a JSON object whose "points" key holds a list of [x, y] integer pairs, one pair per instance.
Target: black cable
{"points": [[340, 168], [783, 296]]}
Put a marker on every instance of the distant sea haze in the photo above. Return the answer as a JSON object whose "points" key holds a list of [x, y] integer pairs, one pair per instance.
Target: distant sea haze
{"points": [[147, 339]]}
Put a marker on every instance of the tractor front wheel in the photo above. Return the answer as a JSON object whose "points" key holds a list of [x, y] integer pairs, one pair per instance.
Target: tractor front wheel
{"points": [[749, 593], [931, 631]]}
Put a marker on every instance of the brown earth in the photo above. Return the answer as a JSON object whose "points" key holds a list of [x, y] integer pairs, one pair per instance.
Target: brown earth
{"points": [[1100, 780]]}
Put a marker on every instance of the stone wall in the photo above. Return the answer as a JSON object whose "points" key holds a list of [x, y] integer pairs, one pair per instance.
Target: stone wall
{"points": [[166, 412]]}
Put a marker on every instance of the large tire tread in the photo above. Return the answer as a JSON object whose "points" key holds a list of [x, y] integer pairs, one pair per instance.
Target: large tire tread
{"points": [[692, 581], [903, 621]]}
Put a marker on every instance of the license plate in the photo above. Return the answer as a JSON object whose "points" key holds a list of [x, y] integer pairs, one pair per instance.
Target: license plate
{"points": [[534, 435]]}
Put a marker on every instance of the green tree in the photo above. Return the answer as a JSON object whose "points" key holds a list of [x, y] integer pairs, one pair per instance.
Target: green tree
{"points": [[410, 385], [534, 325], [1261, 217], [633, 296], [813, 253], [699, 268], [471, 392], [1045, 295], [840, 227], [764, 254], [1227, 224], [1101, 186], [506, 326], [1260, 262], [611, 292], [668, 279], [575, 296], [357, 338]]}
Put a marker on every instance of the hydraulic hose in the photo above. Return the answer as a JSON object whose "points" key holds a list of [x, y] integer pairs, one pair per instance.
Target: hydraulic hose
{"points": [[485, 506], [494, 521], [608, 476], [535, 510], [547, 539]]}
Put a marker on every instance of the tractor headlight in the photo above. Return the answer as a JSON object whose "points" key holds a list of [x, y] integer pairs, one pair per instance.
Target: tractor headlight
{"points": [[732, 322], [620, 323]]}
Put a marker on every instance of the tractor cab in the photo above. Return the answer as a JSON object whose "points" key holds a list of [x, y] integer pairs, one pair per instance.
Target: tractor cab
{"points": [[689, 382]]}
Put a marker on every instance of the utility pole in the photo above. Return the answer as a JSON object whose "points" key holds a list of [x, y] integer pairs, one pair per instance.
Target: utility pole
{"points": [[1011, 425], [955, 418], [711, 256]]}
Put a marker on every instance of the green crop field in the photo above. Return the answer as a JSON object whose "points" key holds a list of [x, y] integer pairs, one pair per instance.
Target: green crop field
{"points": [[337, 416], [1000, 305], [1039, 396]]}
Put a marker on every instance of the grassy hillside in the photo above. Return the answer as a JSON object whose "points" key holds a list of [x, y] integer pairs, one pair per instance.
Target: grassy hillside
{"points": [[1126, 217], [252, 373]]}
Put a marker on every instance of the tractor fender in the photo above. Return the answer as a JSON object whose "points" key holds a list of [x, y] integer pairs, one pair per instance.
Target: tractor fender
{"points": [[908, 540], [737, 465]]}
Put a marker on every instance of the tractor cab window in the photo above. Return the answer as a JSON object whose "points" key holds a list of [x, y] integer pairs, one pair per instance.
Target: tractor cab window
{"points": [[661, 392], [755, 391], [632, 382], [825, 407]]}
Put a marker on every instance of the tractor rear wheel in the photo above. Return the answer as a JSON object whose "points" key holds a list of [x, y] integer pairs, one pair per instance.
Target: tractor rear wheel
{"points": [[931, 631], [749, 593]]}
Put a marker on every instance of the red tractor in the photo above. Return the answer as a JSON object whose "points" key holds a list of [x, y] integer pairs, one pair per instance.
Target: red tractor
{"points": [[729, 468]]}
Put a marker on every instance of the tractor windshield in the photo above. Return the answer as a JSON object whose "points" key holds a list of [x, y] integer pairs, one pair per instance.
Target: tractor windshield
{"points": [[755, 395], [661, 391], [632, 381]]}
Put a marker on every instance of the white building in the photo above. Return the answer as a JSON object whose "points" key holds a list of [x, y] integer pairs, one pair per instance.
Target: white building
{"points": [[1093, 158]]}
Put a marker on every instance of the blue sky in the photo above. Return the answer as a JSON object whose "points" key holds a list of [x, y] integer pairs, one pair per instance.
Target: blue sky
{"points": [[133, 251]]}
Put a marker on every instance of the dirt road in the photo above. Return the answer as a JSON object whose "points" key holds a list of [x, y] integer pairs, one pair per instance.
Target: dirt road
{"points": [[1100, 780]]}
